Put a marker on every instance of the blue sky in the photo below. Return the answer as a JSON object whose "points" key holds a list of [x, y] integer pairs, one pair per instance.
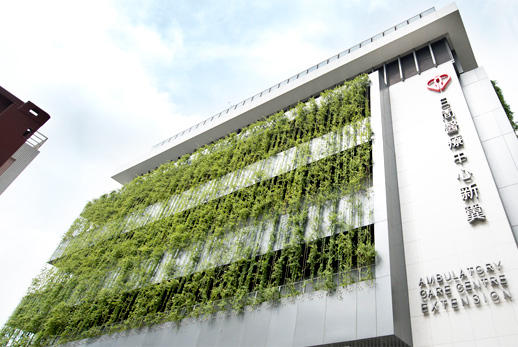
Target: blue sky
{"points": [[119, 76]]}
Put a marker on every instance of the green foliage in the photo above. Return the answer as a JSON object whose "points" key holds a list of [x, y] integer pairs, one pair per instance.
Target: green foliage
{"points": [[115, 271], [505, 105]]}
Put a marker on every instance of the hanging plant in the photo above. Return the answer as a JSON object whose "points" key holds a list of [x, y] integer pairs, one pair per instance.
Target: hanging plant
{"points": [[201, 233]]}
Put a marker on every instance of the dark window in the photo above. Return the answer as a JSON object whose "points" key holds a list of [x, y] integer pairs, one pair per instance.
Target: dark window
{"points": [[27, 133], [440, 51], [424, 59], [393, 73], [4, 103], [408, 66]]}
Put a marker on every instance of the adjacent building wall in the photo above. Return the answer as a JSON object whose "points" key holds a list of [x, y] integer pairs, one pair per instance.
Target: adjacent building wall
{"points": [[22, 158], [18, 122]]}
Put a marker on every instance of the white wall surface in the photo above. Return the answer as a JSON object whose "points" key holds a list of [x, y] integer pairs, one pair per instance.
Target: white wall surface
{"points": [[498, 138], [438, 238]]}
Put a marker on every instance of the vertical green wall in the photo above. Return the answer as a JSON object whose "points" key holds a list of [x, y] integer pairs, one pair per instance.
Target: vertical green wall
{"points": [[139, 255]]}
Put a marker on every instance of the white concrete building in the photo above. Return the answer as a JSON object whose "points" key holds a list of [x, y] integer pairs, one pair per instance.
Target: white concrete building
{"points": [[445, 172], [441, 204]]}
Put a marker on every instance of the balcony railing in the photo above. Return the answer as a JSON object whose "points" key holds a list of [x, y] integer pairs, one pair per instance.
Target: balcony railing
{"points": [[36, 140]]}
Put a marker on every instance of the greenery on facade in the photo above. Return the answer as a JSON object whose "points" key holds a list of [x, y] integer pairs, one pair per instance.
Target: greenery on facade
{"points": [[111, 282], [505, 105]]}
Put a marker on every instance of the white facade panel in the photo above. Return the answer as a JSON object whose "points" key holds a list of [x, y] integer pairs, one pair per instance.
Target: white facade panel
{"points": [[438, 238], [497, 136]]}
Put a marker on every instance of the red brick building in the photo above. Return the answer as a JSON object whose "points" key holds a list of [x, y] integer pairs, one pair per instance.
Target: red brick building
{"points": [[19, 136]]}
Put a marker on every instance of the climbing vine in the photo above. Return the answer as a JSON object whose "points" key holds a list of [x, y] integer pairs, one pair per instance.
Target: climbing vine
{"points": [[273, 210], [505, 105]]}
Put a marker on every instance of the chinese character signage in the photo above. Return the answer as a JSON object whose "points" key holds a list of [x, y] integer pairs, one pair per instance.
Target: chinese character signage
{"points": [[469, 192]]}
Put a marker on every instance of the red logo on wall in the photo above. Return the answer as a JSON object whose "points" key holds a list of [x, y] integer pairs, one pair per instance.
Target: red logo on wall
{"points": [[439, 83]]}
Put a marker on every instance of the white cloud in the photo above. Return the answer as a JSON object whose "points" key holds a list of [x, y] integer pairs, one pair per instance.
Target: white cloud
{"points": [[105, 109]]}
